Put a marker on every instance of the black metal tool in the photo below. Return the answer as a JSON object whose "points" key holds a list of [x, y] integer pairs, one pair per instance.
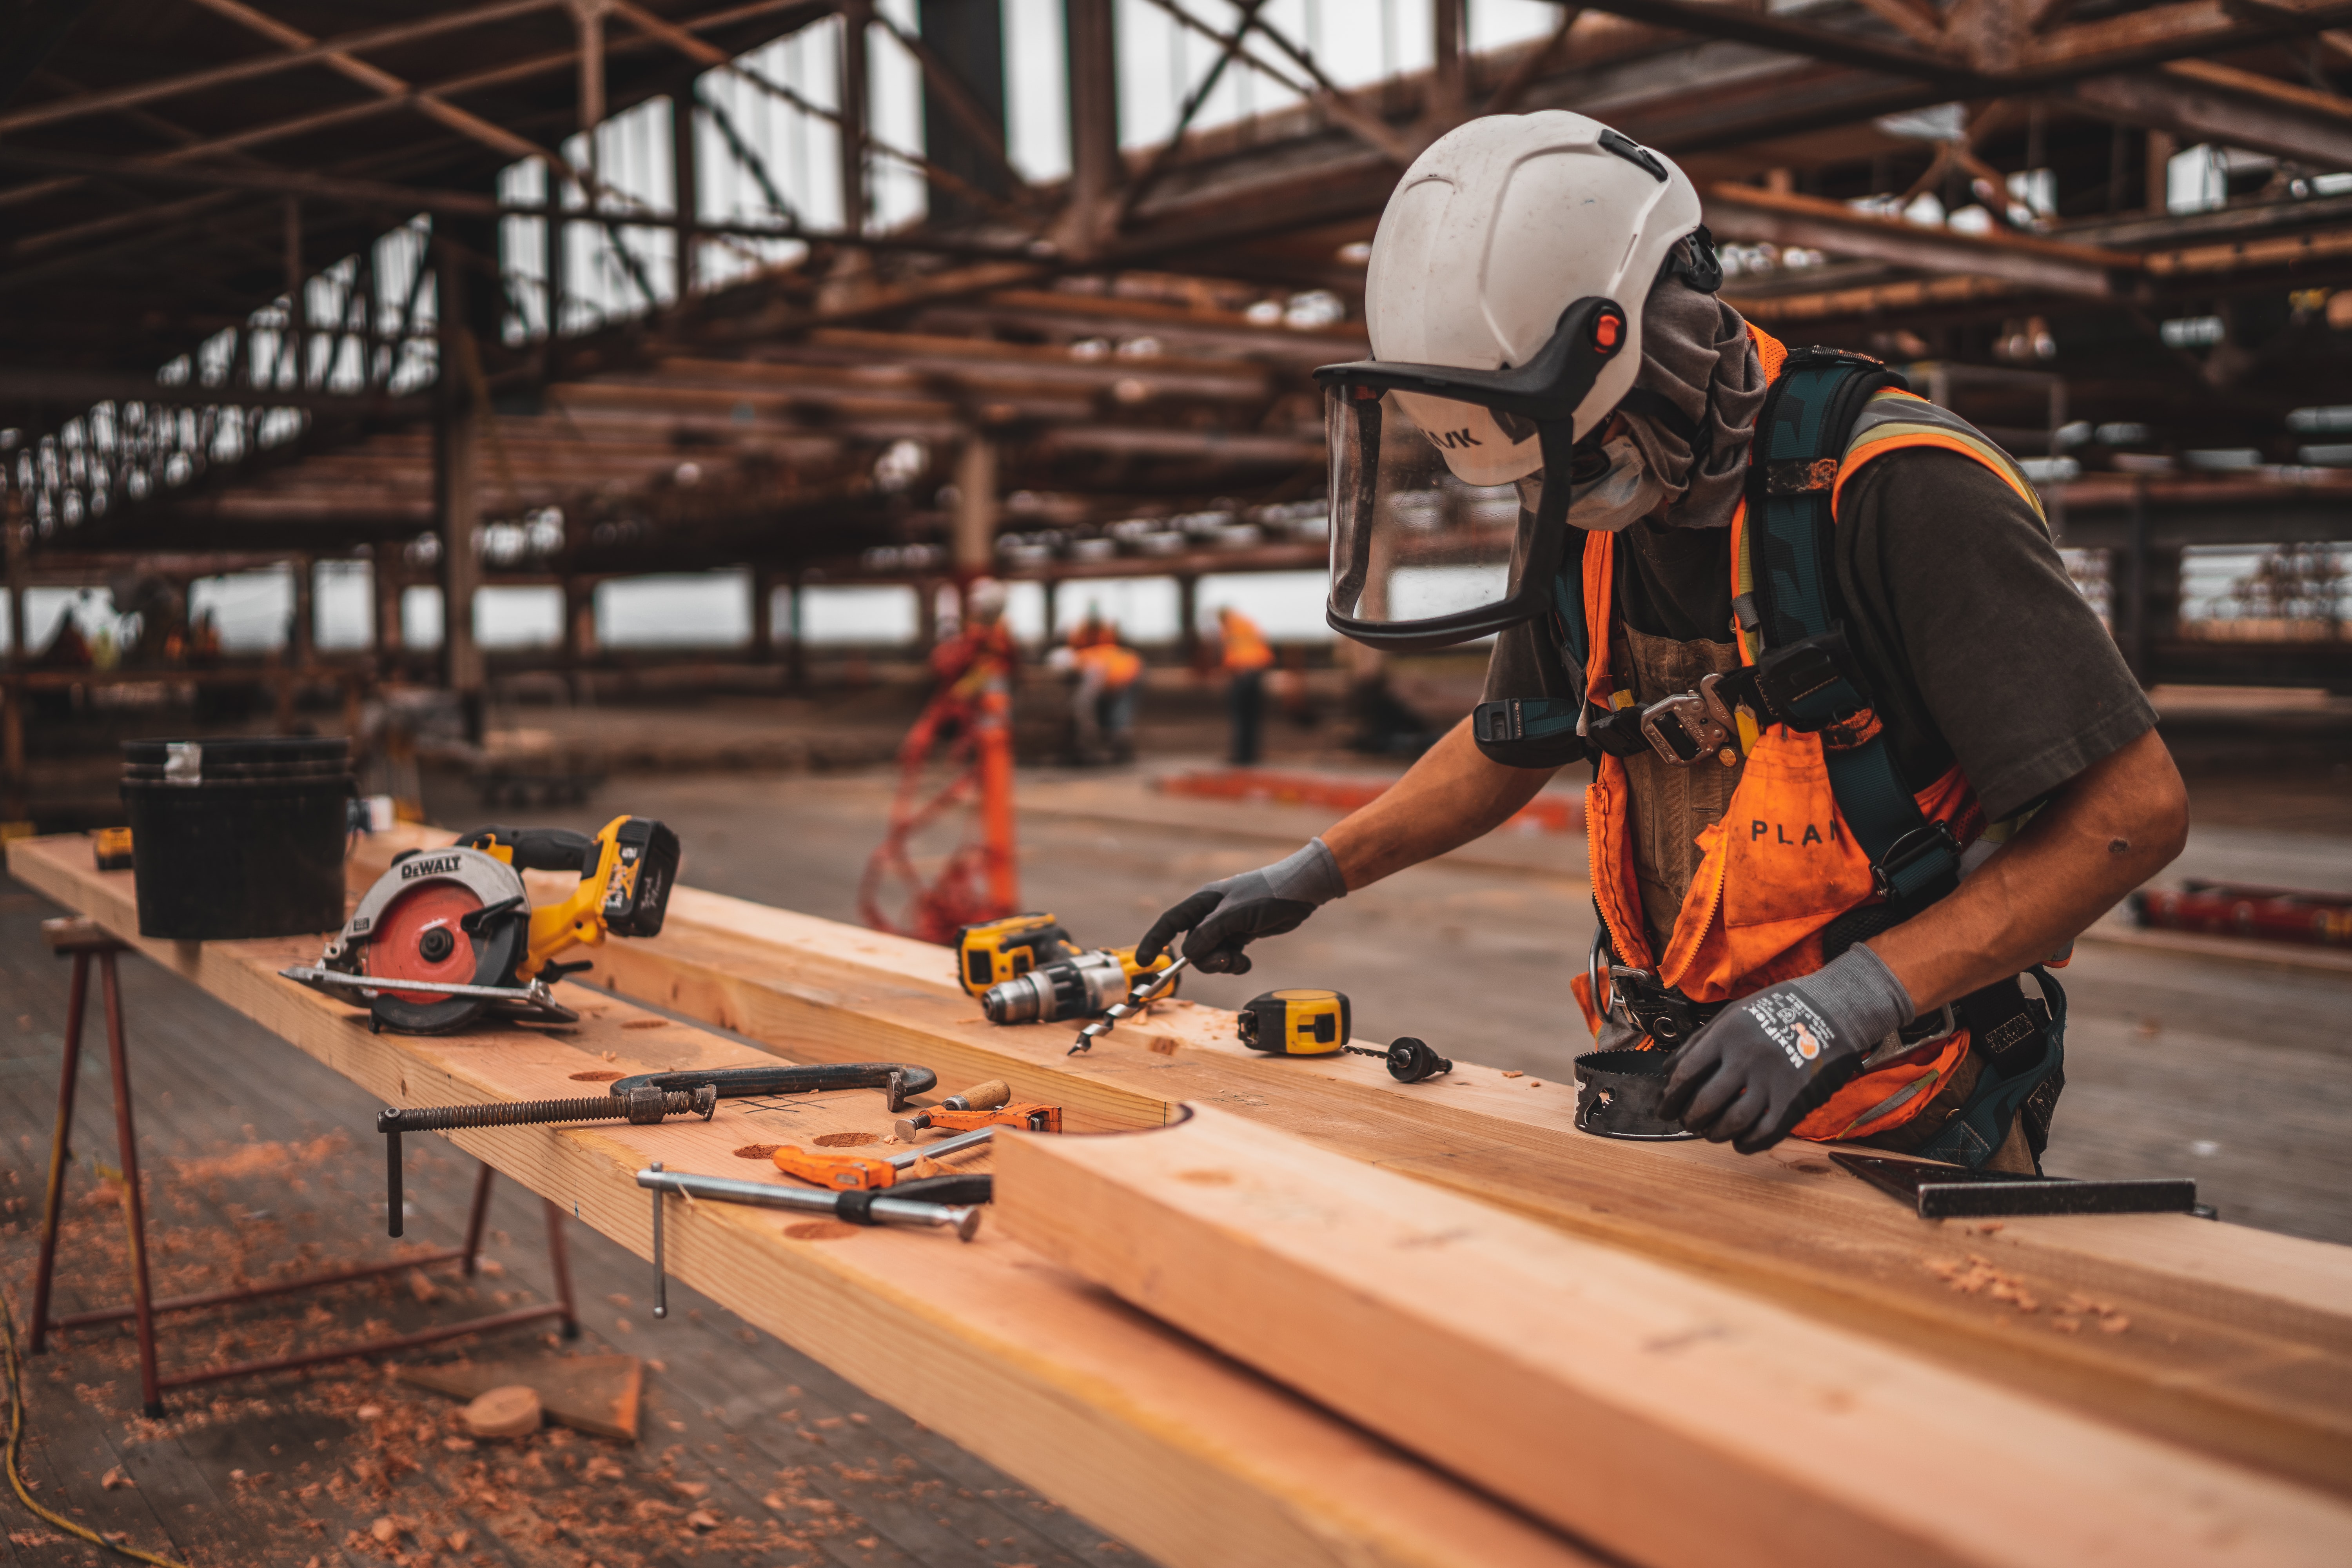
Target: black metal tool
{"points": [[1954, 1191], [1410, 1060], [897, 1080], [948, 1202], [641, 1105], [1617, 1095]]}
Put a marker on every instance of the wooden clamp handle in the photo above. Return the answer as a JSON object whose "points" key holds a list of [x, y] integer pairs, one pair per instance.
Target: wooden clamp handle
{"points": [[982, 1096]]}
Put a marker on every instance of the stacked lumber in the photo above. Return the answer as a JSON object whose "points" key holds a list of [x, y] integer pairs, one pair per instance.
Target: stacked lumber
{"points": [[2232, 1341], [1192, 1459], [1665, 1418], [1661, 1353]]}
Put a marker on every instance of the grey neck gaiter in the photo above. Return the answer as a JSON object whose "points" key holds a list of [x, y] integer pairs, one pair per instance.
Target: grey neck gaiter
{"points": [[1697, 354]]}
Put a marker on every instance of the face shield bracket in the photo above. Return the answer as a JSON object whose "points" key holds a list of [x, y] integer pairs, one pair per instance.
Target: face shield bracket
{"points": [[1361, 414]]}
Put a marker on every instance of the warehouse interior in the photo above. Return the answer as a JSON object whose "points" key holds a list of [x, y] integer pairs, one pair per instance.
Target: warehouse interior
{"points": [[591, 406]]}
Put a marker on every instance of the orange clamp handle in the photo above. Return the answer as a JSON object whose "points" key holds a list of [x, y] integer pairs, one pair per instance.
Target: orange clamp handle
{"points": [[842, 1173]]}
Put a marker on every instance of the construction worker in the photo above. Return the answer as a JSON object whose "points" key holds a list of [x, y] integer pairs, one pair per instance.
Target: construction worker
{"points": [[1110, 678], [1244, 655], [1863, 757], [981, 649]]}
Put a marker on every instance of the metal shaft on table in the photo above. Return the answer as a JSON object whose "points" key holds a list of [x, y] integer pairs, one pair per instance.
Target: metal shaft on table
{"points": [[963, 1220], [644, 1106], [661, 1272], [1142, 996], [954, 1145]]}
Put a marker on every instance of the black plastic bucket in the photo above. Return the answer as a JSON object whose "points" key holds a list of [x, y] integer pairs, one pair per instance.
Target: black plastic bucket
{"points": [[238, 838]]}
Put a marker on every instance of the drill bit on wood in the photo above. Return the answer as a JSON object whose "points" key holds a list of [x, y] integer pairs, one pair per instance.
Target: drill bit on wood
{"points": [[1148, 990]]}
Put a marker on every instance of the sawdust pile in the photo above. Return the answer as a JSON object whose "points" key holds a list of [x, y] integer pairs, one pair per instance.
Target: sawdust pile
{"points": [[342, 1465]]}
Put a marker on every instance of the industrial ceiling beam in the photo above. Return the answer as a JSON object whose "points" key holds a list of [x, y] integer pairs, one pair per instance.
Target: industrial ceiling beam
{"points": [[2139, 38], [2203, 102], [83, 104], [64, 387], [1747, 212], [404, 201]]}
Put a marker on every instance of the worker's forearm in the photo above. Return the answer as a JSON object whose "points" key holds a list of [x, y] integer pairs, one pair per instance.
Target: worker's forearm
{"points": [[2111, 828], [1451, 796]]}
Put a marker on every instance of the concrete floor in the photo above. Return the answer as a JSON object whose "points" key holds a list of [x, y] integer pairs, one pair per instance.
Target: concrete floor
{"points": [[2238, 1076]]}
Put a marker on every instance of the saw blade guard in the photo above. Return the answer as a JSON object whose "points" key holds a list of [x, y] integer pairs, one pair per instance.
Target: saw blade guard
{"points": [[414, 925]]}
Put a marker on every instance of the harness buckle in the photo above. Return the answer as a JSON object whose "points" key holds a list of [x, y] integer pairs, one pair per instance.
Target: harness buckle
{"points": [[1616, 731], [1666, 1017], [1915, 863], [1686, 728], [1800, 680]]}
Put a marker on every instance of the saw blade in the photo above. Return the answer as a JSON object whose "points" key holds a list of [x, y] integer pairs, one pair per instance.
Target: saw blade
{"points": [[420, 936]]}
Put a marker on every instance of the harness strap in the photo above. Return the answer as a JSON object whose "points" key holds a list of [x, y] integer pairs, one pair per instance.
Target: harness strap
{"points": [[1801, 435]]}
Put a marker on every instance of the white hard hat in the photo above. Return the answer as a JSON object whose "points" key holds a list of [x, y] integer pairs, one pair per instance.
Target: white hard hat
{"points": [[983, 598], [1495, 229]]}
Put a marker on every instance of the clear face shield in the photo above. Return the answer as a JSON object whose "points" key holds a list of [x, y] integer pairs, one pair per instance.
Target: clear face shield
{"points": [[1442, 528]]}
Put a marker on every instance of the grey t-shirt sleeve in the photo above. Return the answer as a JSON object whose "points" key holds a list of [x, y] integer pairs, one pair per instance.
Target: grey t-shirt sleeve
{"points": [[1980, 648]]}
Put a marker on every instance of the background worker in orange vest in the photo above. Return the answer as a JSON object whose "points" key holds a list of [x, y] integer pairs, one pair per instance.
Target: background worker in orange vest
{"points": [[1243, 655], [1110, 679], [1770, 652]]}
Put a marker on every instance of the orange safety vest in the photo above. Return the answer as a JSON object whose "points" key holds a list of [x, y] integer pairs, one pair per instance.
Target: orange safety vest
{"points": [[1781, 865], [1246, 647], [1117, 666]]}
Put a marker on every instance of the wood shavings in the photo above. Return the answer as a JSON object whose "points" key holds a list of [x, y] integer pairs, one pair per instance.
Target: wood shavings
{"points": [[645, 1022], [1514, 1074], [1979, 1277]]}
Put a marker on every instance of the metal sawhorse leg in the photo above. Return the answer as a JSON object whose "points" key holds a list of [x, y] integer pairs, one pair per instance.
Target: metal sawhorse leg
{"points": [[82, 940]]}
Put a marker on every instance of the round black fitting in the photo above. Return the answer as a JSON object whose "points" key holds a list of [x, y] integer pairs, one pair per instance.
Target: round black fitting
{"points": [[1410, 1060]]}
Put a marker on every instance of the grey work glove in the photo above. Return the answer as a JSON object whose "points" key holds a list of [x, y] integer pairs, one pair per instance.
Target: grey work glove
{"points": [[1767, 1061], [1225, 916]]}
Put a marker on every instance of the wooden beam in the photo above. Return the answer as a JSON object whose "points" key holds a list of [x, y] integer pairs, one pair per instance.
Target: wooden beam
{"points": [[20, 384], [2205, 101], [2185, 31], [2217, 1309], [381, 82], [1681, 1423], [1195, 1461], [80, 105], [1748, 213], [458, 483], [853, 77], [1095, 165], [1915, 19], [1768, 31]]}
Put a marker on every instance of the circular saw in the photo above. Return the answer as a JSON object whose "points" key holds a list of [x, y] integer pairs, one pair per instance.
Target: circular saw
{"points": [[447, 937]]}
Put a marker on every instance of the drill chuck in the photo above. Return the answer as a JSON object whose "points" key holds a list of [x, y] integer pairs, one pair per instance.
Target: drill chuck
{"points": [[1079, 987]]}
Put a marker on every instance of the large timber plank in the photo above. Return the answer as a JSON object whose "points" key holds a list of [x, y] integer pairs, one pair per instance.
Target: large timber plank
{"points": [[2239, 1340], [1193, 1459], [1665, 1418]]}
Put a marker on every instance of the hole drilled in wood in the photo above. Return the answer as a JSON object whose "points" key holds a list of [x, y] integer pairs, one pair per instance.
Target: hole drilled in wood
{"points": [[600, 1075], [819, 1230], [844, 1140], [757, 1151]]}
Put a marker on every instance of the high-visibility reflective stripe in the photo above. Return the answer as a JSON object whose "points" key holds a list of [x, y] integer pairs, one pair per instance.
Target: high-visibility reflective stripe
{"points": [[1894, 420]]}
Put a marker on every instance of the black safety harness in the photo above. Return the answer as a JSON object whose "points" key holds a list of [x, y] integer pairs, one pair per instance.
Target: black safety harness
{"points": [[1805, 677]]}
